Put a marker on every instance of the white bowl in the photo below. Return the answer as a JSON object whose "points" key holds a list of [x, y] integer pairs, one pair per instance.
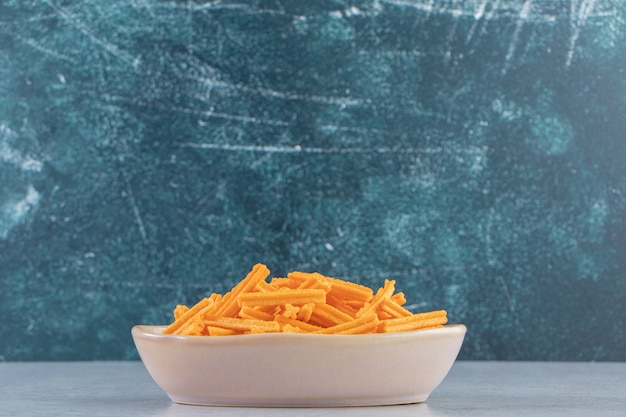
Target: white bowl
{"points": [[299, 370]]}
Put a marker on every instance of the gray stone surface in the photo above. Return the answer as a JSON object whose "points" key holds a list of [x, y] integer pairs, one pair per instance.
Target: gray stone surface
{"points": [[152, 151], [500, 389]]}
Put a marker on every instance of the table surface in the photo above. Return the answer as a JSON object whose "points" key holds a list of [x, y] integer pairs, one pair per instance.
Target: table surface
{"points": [[470, 389]]}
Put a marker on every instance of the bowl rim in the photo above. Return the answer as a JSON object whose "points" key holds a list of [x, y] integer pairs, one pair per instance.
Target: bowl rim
{"points": [[153, 332]]}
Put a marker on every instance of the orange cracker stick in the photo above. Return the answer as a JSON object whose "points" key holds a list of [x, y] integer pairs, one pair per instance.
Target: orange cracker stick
{"points": [[386, 327], [343, 305], [414, 322], [243, 325], [296, 278], [326, 315], [248, 312], [193, 327], [305, 312], [220, 331], [394, 309], [289, 310], [294, 297], [288, 328], [370, 326], [399, 298], [180, 310], [229, 306], [186, 316], [310, 280], [264, 286], [382, 294], [350, 291], [304, 327], [367, 321], [189, 328], [282, 283]]}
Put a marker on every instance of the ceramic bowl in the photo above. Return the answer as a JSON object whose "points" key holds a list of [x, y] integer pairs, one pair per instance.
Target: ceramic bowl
{"points": [[299, 370]]}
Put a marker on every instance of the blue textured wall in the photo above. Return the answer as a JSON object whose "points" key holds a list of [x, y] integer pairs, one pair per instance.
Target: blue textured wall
{"points": [[475, 151]]}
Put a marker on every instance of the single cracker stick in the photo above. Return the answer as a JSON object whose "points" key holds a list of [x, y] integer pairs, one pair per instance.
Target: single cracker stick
{"points": [[288, 328], [399, 298], [352, 324], [394, 309], [243, 325], [310, 280], [382, 294], [350, 291], [229, 305], [194, 327], [282, 283], [304, 327], [294, 297], [370, 326], [414, 322], [289, 310], [325, 315], [197, 318], [180, 310], [186, 316], [305, 312], [220, 331], [248, 312], [342, 305], [416, 325], [383, 315], [264, 286]]}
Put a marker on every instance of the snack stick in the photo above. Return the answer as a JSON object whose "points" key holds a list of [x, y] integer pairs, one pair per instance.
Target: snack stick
{"points": [[430, 314], [215, 297], [399, 298], [257, 330], [352, 324], [394, 309], [387, 327], [296, 278], [302, 326], [229, 306], [248, 312], [305, 312], [186, 316], [285, 295], [370, 326], [288, 328], [310, 280], [355, 304], [264, 286], [316, 282], [272, 310], [220, 331], [383, 315], [382, 294], [180, 310], [289, 310], [193, 327], [415, 321], [350, 291], [342, 305], [197, 318], [242, 325], [282, 283], [326, 315]]}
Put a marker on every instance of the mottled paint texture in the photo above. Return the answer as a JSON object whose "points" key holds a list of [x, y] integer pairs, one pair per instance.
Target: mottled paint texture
{"points": [[152, 151]]}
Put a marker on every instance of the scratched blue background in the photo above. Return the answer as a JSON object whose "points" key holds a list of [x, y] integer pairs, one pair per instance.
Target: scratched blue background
{"points": [[152, 151]]}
